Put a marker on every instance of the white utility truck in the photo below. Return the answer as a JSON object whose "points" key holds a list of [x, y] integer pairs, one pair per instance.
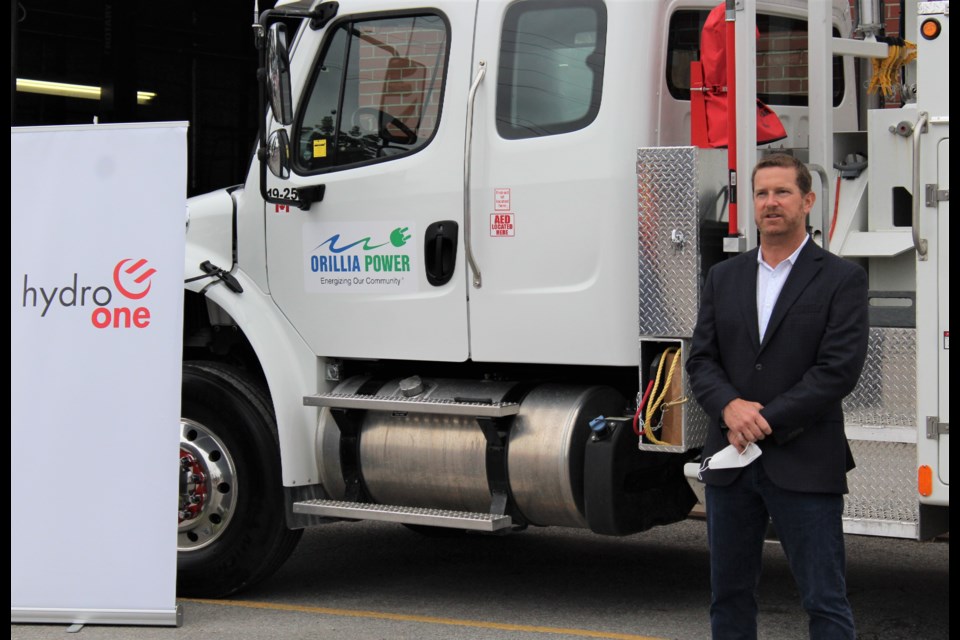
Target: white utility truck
{"points": [[458, 285]]}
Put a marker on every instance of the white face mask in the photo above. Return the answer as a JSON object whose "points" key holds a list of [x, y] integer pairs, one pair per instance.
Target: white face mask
{"points": [[730, 458]]}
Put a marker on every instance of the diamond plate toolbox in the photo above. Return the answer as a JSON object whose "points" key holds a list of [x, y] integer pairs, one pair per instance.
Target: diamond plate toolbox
{"points": [[679, 204], [678, 189]]}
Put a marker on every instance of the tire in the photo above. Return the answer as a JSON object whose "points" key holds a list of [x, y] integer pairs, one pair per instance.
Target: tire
{"points": [[232, 529]]}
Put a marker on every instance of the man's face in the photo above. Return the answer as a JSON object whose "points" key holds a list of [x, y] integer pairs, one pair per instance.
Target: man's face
{"points": [[780, 209]]}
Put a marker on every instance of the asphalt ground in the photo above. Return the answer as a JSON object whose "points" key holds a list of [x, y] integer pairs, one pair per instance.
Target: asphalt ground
{"points": [[371, 581]]}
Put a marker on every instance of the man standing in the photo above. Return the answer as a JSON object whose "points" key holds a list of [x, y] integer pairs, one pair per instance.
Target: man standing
{"points": [[781, 338]]}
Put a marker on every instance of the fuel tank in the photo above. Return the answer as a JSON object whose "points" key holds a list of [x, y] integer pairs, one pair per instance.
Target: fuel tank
{"points": [[440, 461]]}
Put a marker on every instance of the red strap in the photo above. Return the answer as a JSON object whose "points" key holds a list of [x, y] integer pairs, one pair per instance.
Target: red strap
{"points": [[698, 111]]}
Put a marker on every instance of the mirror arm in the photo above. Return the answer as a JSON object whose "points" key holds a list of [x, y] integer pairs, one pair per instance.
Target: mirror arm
{"points": [[322, 14], [309, 195], [262, 107]]}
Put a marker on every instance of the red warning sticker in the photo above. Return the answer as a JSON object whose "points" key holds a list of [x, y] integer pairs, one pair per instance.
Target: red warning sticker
{"points": [[502, 225], [501, 199]]}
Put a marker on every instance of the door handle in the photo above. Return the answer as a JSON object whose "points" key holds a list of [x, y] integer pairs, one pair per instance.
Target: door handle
{"points": [[440, 251], [467, 239]]}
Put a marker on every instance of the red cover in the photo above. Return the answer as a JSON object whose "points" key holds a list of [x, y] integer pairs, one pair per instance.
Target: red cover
{"points": [[713, 58]]}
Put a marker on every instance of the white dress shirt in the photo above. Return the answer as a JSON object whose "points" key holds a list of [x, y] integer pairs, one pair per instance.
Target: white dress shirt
{"points": [[770, 283]]}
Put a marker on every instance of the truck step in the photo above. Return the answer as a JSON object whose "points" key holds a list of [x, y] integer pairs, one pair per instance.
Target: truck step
{"points": [[406, 515], [413, 405]]}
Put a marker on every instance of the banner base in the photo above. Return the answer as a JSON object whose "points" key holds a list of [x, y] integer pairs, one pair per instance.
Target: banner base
{"points": [[132, 617]]}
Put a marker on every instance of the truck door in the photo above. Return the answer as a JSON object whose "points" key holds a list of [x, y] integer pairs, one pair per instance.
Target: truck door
{"points": [[553, 186], [376, 269]]}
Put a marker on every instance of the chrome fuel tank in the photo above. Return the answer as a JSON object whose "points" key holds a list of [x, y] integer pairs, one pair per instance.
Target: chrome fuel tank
{"points": [[440, 461]]}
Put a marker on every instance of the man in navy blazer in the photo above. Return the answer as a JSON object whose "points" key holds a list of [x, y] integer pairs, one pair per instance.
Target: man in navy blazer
{"points": [[781, 338]]}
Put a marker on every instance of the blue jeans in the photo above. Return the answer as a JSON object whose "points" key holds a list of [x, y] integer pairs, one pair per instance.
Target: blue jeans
{"points": [[810, 529]]}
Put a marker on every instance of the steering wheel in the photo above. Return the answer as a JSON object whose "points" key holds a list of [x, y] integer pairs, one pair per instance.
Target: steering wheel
{"points": [[383, 120]]}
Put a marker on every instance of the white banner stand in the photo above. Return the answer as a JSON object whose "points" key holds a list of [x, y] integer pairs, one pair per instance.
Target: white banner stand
{"points": [[96, 280]]}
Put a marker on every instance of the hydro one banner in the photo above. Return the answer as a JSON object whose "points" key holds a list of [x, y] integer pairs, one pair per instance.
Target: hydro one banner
{"points": [[97, 219]]}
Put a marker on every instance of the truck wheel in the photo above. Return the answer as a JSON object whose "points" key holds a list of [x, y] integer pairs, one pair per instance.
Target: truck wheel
{"points": [[232, 529]]}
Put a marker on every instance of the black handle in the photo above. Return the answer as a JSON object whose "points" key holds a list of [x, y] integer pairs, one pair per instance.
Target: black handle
{"points": [[440, 251]]}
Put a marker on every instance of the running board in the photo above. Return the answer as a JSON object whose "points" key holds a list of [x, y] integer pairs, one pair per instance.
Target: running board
{"points": [[406, 515], [413, 405]]}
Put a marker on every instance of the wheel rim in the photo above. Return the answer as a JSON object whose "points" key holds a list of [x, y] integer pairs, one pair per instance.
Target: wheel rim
{"points": [[208, 487]]}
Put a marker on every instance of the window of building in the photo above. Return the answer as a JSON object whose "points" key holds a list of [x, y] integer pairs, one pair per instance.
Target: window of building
{"points": [[551, 67], [375, 93]]}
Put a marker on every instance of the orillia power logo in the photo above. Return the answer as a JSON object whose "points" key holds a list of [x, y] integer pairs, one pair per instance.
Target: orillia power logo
{"points": [[338, 262], [132, 280], [377, 256]]}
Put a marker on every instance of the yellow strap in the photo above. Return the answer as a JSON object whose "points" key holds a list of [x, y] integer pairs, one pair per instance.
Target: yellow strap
{"points": [[653, 405], [874, 76], [886, 73]]}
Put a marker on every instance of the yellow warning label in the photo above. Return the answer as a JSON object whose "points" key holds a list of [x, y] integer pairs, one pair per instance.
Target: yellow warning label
{"points": [[319, 148]]}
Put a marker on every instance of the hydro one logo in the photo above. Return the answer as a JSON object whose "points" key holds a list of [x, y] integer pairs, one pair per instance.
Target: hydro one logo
{"points": [[131, 281]]}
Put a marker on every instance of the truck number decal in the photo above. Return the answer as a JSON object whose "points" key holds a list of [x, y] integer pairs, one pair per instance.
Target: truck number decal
{"points": [[287, 193]]}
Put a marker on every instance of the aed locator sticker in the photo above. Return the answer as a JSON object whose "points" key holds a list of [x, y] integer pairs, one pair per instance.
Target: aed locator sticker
{"points": [[502, 222], [502, 225]]}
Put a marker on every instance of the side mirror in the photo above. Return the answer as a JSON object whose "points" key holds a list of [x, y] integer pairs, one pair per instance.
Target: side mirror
{"points": [[278, 74], [278, 154]]}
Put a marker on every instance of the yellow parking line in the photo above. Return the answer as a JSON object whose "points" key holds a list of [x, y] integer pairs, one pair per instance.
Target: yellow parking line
{"points": [[423, 619]]}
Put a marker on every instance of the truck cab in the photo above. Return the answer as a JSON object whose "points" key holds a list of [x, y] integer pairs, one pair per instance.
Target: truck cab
{"points": [[428, 288]]}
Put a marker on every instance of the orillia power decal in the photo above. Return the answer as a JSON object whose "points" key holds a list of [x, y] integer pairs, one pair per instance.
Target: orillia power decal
{"points": [[360, 257], [120, 306]]}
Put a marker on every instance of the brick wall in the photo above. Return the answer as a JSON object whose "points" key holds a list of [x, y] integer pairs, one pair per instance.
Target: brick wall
{"points": [[782, 61], [782, 56], [890, 15], [399, 83], [891, 18]]}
